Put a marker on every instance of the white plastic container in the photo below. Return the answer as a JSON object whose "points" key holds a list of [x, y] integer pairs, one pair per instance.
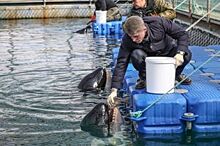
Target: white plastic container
{"points": [[160, 74], [101, 16]]}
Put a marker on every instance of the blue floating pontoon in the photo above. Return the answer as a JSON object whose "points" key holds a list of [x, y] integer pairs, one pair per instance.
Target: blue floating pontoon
{"points": [[200, 105], [108, 28]]}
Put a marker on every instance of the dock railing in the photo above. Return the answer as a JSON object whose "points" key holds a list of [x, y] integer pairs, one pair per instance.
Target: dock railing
{"points": [[28, 9], [197, 8]]}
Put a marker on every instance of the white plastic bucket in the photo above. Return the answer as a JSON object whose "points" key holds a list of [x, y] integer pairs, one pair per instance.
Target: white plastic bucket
{"points": [[101, 16], [160, 74]]}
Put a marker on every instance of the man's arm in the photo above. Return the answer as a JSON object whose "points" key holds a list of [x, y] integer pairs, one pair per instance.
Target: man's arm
{"points": [[122, 63], [119, 71], [165, 9]]}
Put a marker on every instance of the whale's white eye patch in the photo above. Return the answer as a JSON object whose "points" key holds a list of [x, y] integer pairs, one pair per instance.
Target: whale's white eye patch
{"points": [[95, 85]]}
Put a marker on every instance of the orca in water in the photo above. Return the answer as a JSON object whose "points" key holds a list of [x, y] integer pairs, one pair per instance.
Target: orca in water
{"points": [[102, 121], [95, 81]]}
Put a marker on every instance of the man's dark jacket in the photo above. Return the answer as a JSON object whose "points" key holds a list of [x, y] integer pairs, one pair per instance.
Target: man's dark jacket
{"points": [[160, 41], [104, 5]]}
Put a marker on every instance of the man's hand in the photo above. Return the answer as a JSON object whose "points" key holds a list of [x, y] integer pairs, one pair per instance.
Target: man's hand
{"points": [[179, 59], [110, 99], [154, 14]]}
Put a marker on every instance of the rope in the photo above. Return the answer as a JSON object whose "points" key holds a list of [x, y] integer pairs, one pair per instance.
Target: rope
{"points": [[180, 4], [117, 1], [139, 113], [198, 8]]}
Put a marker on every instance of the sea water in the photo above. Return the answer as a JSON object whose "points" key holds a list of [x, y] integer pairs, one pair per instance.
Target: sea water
{"points": [[41, 64]]}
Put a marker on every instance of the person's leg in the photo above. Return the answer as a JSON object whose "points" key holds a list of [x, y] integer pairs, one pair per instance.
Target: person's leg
{"points": [[179, 75], [138, 60]]}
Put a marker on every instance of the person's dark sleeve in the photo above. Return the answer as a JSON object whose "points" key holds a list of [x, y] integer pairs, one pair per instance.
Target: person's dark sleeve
{"points": [[101, 5], [121, 65], [177, 33], [110, 4]]}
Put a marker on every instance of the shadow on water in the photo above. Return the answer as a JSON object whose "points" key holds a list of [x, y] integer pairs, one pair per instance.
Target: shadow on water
{"points": [[42, 62], [186, 138]]}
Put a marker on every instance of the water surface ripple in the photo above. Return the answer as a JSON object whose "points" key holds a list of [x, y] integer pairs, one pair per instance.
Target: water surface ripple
{"points": [[41, 64]]}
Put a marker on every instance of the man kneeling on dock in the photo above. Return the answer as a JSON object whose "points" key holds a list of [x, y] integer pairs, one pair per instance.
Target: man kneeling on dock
{"points": [[150, 36]]}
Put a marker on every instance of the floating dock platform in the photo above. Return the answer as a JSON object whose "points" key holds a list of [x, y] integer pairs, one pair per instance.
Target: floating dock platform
{"points": [[174, 113]]}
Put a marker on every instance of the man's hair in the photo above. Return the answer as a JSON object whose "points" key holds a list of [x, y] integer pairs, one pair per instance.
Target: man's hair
{"points": [[133, 24]]}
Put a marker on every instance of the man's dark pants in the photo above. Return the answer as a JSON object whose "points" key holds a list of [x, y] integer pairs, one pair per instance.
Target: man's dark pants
{"points": [[138, 60]]}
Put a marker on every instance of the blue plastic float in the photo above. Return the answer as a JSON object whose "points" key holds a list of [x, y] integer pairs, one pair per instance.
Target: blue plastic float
{"points": [[108, 28], [174, 113]]}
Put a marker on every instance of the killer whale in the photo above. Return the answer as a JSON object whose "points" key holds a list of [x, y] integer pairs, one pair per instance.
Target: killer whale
{"points": [[96, 80], [102, 121]]}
